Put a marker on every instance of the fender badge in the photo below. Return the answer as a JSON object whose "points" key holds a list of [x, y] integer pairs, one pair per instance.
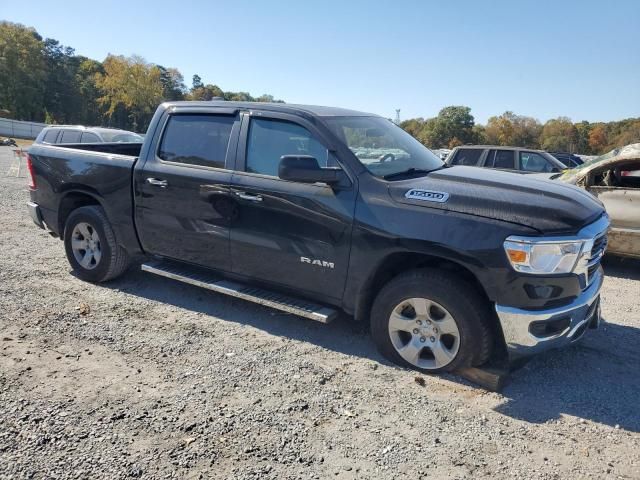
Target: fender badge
{"points": [[427, 195]]}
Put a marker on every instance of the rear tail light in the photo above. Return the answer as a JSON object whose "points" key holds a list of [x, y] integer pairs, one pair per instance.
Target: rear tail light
{"points": [[625, 173], [32, 177]]}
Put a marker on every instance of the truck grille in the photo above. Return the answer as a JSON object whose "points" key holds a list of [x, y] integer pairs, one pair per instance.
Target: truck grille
{"points": [[597, 251]]}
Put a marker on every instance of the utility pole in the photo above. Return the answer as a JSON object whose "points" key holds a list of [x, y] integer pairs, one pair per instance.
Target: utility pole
{"points": [[397, 120]]}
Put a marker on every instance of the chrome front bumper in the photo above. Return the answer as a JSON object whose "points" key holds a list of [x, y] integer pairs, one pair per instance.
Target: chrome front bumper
{"points": [[527, 332]]}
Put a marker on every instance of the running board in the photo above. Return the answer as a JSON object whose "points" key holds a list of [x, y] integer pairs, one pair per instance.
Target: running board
{"points": [[210, 281]]}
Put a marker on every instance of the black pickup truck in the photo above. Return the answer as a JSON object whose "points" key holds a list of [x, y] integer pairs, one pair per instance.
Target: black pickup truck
{"points": [[316, 210]]}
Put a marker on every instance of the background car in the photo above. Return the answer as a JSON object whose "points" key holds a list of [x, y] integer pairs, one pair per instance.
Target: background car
{"points": [[78, 134], [613, 178], [523, 160], [570, 160]]}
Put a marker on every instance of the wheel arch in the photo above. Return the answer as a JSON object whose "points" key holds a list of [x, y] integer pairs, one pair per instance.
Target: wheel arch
{"points": [[71, 200], [399, 262]]}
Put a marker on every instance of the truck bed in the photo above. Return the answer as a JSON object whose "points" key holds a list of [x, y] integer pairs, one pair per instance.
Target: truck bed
{"points": [[77, 171]]}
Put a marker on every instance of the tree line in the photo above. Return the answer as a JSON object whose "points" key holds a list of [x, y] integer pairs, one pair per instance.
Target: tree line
{"points": [[42, 80], [456, 126]]}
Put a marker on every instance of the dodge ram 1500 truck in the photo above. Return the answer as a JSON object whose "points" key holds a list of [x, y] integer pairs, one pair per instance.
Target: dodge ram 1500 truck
{"points": [[317, 210]]}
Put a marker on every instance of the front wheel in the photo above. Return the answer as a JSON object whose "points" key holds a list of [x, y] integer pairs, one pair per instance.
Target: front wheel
{"points": [[91, 247], [432, 321]]}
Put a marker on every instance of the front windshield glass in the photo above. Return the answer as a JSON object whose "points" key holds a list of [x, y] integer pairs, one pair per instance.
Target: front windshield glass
{"points": [[383, 147]]}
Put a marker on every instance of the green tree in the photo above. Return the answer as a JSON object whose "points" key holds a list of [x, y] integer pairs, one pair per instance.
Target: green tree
{"points": [[173, 87], [629, 134], [583, 129], [91, 112], [514, 130], [559, 134], [130, 83], [61, 99], [453, 125], [22, 72]]}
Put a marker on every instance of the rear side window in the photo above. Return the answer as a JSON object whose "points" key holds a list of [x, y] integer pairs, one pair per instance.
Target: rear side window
{"points": [[70, 136], [88, 137], [197, 139], [50, 136], [534, 162], [467, 156], [500, 159], [271, 139]]}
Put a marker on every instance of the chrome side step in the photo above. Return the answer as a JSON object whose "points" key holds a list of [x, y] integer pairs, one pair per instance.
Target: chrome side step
{"points": [[202, 278]]}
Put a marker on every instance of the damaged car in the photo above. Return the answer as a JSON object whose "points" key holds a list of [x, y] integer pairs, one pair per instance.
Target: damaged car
{"points": [[614, 178]]}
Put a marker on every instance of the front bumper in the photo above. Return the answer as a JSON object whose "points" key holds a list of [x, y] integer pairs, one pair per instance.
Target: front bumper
{"points": [[36, 214], [527, 332]]}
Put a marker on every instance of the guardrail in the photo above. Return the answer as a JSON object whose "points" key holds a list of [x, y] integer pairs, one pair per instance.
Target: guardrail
{"points": [[20, 129]]}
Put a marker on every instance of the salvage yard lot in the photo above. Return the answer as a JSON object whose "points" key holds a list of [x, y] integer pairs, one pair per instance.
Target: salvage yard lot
{"points": [[147, 378]]}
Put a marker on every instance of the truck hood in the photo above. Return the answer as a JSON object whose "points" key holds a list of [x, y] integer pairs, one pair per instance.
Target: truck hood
{"points": [[549, 207]]}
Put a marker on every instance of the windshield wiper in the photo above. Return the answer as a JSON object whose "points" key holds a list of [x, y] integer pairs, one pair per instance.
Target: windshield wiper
{"points": [[409, 171]]}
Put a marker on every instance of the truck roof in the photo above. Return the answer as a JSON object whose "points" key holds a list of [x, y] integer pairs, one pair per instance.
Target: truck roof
{"points": [[503, 147], [316, 110]]}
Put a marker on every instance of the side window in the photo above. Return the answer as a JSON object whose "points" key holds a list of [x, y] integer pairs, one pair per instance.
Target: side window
{"points": [[88, 137], [196, 139], [467, 156], [500, 159], [271, 139], [534, 162], [50, 136], [70, 136]]}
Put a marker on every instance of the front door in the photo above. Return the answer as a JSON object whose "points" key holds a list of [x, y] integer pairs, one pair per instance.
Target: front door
{"points": [[183, 204], [286, 233]]}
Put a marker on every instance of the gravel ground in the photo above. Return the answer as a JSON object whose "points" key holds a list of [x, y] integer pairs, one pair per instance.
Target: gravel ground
{"points": [[148, 378]]}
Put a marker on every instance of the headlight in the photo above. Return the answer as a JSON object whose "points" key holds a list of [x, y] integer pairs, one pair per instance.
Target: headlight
{"points": [[542, 257]]}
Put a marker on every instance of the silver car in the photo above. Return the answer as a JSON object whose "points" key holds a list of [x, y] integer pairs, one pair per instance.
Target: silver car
{"points": [[615, 179]]}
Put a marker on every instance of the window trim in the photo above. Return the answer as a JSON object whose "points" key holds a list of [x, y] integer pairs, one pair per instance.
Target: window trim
{"points": [[241, 157], [229, 158]]}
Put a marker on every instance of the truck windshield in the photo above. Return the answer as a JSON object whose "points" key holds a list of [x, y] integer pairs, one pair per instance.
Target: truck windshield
{"points": [[383, 148]]}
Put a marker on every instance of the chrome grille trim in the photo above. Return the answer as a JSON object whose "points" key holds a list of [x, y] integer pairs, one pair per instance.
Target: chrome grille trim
{"points": [[595, 244]]}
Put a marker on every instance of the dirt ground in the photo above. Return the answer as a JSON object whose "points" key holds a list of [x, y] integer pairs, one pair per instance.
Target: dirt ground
{"points": [[144, 377]]}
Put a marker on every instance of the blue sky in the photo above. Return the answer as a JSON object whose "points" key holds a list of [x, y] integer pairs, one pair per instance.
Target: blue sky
{"points": [[539, 58]]}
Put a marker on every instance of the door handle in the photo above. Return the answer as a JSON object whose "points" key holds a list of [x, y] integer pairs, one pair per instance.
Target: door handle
{"points": [[250, 197], [157, 183]]}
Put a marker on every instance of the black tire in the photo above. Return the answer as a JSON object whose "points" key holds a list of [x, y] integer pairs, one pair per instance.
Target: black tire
{"points": [[114, 259], [470, 311]]}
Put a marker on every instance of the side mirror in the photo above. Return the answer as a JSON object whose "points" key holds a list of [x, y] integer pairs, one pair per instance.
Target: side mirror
{"points": [[305, 169]]}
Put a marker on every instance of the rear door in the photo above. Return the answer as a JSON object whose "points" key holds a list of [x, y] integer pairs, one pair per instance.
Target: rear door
{"points": [[501, 159], [467, 156], [183, 207], [292, 234], [69, 135]]}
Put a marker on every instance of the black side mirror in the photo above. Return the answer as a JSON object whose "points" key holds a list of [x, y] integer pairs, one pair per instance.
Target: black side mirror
{"points": [[305, 169]]}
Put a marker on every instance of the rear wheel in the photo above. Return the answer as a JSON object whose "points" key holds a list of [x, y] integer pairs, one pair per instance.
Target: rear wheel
{"points": [[432, 321], [91, 247]]}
